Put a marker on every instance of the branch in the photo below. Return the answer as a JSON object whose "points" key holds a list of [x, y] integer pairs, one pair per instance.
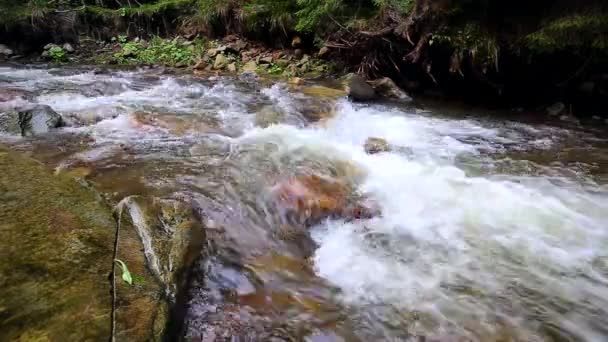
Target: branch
{"points": [[384, 32]]}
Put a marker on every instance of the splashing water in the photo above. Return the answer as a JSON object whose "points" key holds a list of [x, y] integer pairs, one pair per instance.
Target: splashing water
{"points": [[489, 229]]}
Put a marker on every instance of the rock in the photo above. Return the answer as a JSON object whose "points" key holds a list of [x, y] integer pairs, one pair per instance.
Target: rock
{"points": [[220, 62], [237, 46], [231, 67], [68, 233], [250, 66], [311, 198], [556, 109], [568, 118], [200, 65], [385, 87], [9, 94], [376, 145], [29, 121], [324, 92], [267, 116], [67, 47], [212, 52], [304, 60], [5, 50], [174, 123], [50, 46], [296, 81], [266, 60], [296, 42], [323, 52], [358, 89], [282, 62], [298, 53], [305, 67]]}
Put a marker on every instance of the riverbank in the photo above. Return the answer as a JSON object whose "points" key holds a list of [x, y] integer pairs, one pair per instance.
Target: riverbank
{"points": [[550, 54], [234, 55]]}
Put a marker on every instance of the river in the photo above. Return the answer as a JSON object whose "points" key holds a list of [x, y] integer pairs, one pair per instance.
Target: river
{"points": [[491, 227]]}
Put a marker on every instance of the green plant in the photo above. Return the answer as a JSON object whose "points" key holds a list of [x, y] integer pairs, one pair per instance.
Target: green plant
{"points": [[159, 51], [126, 275], [275, 69], [57, 54]]}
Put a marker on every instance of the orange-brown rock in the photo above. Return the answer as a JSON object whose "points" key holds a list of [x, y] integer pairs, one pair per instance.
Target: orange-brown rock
{"points": [[311, 198], [173, 123]]}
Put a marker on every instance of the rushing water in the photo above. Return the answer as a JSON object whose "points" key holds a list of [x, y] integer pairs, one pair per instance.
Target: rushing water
{"points": [[490, 229]]}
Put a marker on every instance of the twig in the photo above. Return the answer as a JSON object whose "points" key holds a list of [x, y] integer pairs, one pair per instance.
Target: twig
{"points": [[384, 32], [341, 26], [118, 218]]}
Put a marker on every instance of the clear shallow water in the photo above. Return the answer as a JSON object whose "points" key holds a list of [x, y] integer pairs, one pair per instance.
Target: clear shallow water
{"points": [[490, 229]]}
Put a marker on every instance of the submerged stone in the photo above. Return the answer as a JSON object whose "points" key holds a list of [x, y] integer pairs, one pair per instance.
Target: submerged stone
{"points": [[311, 198], [376, 145]]}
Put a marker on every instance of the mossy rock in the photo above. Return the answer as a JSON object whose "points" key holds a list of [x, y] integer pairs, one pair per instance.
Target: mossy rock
{"points": [[56, 255], [324, 92]]}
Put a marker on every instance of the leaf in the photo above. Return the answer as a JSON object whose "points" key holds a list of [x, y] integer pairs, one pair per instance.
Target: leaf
{"points": [[138, 279], [126, 275]]}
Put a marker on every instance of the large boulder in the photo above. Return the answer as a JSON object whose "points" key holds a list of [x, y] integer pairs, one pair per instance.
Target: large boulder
{"points": [[385, 87], [38, 119], [56, 251], [357, 88]]}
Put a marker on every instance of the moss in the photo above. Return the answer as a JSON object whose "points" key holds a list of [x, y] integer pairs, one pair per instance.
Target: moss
{"points": [[582, 30], [55, 256]]}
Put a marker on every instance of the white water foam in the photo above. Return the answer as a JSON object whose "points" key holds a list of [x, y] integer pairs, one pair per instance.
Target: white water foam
{"points": [[442, 229]]}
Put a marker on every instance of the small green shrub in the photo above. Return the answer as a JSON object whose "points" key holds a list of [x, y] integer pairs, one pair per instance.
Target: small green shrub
{"points": [[57, 54], [159, 51]]}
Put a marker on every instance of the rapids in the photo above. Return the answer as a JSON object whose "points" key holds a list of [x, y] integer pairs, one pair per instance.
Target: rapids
{"points": [[494, 227]]}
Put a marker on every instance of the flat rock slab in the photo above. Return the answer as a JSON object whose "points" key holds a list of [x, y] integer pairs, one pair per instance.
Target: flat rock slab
{"points": [[55, 258]]}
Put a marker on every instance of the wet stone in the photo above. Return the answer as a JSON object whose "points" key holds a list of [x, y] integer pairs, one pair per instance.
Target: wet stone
{"points": [[31, 120], [376, 145]]}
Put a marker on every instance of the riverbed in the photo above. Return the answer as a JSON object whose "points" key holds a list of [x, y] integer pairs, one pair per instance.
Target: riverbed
{"points": [[491, 227]]}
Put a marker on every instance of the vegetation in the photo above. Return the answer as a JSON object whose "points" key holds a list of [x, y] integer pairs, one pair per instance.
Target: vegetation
{"points": [[57, 54], [434, 41], [172, 52]]}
